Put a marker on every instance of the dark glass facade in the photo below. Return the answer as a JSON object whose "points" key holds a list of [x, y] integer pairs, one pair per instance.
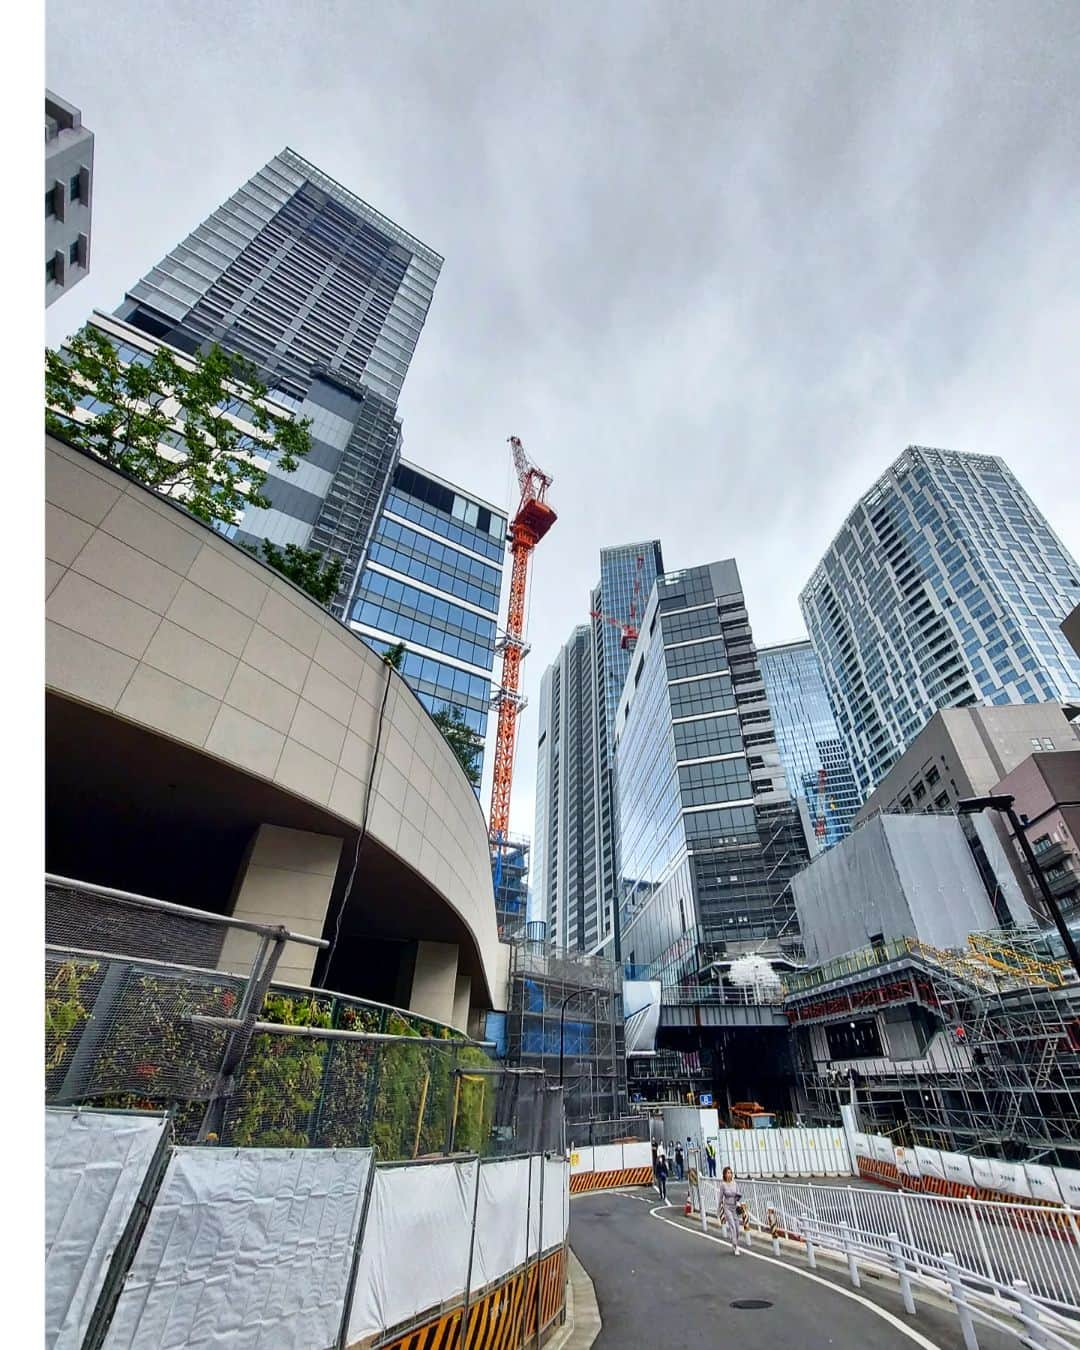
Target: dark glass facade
{"points": [[811, 749], [432, 579], [709, 834]]}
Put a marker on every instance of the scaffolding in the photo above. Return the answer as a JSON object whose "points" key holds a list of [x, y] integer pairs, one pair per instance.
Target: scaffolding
{"points": [[566, 1017], [510, 877], [998, 1071]]}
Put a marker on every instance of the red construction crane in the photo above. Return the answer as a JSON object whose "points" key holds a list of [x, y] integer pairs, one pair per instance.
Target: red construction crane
{"points": [[533, 520]]}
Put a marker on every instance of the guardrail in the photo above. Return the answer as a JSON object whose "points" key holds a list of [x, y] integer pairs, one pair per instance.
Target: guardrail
{"points": [[995, 1260], [721, 993]]}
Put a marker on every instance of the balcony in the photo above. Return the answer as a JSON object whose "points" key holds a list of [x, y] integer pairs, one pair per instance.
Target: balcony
{"points": [[1050, 852]]}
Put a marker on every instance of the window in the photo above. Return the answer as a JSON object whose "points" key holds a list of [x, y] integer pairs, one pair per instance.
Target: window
{"points": [[50, 203], [50, 269], [1047, 743], [1035, 745], [905, 803], [919, 791], [73, 188], [942, 802], [73, 253], [932, 775]]}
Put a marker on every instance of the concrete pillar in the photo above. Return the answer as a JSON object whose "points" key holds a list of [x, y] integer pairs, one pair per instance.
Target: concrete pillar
{"points": [[434, 980], [462, 999], [287, 879]]}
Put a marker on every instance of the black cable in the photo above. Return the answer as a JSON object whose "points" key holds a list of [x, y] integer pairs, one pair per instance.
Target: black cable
{"points": [[362, 835]]}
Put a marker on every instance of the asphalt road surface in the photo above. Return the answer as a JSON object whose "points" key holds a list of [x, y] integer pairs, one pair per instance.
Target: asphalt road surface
{"points": [[661, 1284]]}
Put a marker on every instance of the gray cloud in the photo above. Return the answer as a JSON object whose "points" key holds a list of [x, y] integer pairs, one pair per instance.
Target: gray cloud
{"points": [[716, 263]]}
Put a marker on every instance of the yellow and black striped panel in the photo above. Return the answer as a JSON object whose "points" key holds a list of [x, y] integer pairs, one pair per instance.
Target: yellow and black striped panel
{"points": [[499, 1317], [606, 1181]]}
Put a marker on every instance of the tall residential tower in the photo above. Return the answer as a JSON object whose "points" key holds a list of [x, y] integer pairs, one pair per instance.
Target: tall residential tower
{"points": [[69, 181], [326, 297], [944, 588]]}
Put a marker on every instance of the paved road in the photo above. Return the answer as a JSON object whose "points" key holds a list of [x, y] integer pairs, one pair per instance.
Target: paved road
{"points": [[662, 1284]]}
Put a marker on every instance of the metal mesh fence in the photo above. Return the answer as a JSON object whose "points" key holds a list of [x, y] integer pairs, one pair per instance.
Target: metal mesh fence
{"points": [[248, 1062], [620, 1130]]}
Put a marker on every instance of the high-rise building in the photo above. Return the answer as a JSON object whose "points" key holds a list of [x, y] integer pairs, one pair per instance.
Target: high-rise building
{"points": [[812, 750], [326, 297], [709, 835], [69, 181], [627, 575], [432, 579], [567, 879], [945, 587]]}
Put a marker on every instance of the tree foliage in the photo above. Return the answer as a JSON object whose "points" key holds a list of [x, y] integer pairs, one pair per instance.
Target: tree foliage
{"points": [[165, 424], [305, 567], [461, 739], [395, 656]]}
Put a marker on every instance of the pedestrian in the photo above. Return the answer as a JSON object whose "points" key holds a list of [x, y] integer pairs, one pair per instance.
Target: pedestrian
{"points": [[679, 1161], [729, 1198], [661, 1172], [710, 1157]]}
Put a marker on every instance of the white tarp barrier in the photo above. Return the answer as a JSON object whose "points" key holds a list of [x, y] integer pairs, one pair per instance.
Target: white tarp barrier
{"points": [[639, 1154], [1042, 1182], [583, 1158], [907, 1163], [930, 1164], [415, 1253], [1068, 1180], [861, 1144], [957, 1168], [556, 1203], [95, 1164], [609, 1158], [1012, 1179], [246, 1248], [500, 1228], [882, 1148]]}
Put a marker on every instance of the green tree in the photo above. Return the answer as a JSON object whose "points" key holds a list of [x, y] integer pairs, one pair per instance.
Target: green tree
{"points": [[394, 656], [142, 409], [461, 739], [306, 567]]}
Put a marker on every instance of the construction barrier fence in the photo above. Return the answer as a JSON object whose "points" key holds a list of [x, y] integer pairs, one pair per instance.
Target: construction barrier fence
{"points": [[609, 1166], [150, 1245]]}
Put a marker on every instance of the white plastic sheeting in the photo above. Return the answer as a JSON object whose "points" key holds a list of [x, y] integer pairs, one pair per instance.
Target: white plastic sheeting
{"points": [[249, 1249], [556, 1202], [611, 1157], [95, 1164], [416, 1244], [788, 1152], [500, 1221]]}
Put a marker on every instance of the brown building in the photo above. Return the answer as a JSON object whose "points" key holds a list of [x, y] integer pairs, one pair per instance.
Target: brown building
{"points": [[1047, 792]]}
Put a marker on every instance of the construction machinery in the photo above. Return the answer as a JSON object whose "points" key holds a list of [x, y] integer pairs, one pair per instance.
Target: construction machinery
{"points": [[751, 1116], [533, 519]]}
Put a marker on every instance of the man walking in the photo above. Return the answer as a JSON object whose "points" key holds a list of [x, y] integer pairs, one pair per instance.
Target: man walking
{"points": [[710, 1157], [661, 1172], [678, 1162]]}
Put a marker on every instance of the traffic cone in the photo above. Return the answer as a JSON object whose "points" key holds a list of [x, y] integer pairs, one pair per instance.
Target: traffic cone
{"points": [[688, 1209]]}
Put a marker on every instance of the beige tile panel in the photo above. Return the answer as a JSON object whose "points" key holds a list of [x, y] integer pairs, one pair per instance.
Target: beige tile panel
{"points": [[329, 693], [288, 621], [175, 709], [384, 821], [274, 657], [156, 529], [356, 755], [242, 740], [277, 893], [77, 665], [262, 698], [318, 731], [191, 659], [343, 655], [390, 784], [127, 572], [65, 534], [75, 484], [296, 850], [208, 617], [347, 796], [226, 573], [89, 608], [303, 771], [53, 572]]}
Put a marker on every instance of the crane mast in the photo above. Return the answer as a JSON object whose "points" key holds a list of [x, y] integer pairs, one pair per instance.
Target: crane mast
{"points": [[532, 521]]}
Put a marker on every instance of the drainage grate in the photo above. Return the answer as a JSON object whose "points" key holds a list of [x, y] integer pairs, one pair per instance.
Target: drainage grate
{"points": [[751, 1303]]}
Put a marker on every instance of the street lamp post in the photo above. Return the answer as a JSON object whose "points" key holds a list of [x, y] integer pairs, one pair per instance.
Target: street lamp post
{"points": [[972, 806], [562, 1024]]}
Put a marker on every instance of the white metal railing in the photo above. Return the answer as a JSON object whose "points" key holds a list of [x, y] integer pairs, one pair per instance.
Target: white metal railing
{"points": [[1003, 1259]]}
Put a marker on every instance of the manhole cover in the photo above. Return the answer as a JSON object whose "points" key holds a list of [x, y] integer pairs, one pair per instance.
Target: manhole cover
{"points": [[751, 1303]]}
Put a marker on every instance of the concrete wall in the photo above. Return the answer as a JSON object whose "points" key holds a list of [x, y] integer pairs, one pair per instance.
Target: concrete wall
{"points": [[68, 155], [971, 749], [153, 617]]}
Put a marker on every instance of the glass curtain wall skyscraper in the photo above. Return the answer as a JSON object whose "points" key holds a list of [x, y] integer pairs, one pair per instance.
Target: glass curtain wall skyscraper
{"points": [[709, 836], [945, 587], [432, 579], [327, 298], [812, 750]]}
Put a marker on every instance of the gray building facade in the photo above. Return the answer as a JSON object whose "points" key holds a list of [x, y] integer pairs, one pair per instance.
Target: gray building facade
{"points": [[709, 835], [69, 182], [945, 587], [326, 297]]}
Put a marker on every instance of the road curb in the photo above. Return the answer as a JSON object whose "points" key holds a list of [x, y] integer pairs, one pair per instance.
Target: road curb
{"points": [[582, 1325]]}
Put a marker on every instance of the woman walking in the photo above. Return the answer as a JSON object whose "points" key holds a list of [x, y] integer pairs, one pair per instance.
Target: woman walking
{"points": [[661, 1173], [729, 1198]]}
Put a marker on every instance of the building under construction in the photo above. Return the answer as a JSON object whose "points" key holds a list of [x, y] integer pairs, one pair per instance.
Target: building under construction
{"points": [[566, 1017], [510, 876], [974, 1050]]}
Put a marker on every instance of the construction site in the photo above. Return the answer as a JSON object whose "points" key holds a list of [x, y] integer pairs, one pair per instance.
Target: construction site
{"points": [[973, 1050]]}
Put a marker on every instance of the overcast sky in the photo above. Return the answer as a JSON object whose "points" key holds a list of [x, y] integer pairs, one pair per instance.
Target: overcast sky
{"points": [[717, 264]]}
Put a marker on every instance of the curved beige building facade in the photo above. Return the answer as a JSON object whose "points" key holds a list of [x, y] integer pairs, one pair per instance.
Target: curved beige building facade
{"points": [[203, 702]]}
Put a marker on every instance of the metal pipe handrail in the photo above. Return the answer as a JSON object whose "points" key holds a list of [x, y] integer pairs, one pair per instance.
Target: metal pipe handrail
{"points": [[328, 1033], [167, 907]]}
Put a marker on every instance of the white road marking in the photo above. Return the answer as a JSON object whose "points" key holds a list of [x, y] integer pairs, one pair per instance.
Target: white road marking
{"points": [[806, 1274]]}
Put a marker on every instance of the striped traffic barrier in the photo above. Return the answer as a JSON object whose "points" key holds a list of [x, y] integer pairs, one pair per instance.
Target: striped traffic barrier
{"points": [[604, 1181]]}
